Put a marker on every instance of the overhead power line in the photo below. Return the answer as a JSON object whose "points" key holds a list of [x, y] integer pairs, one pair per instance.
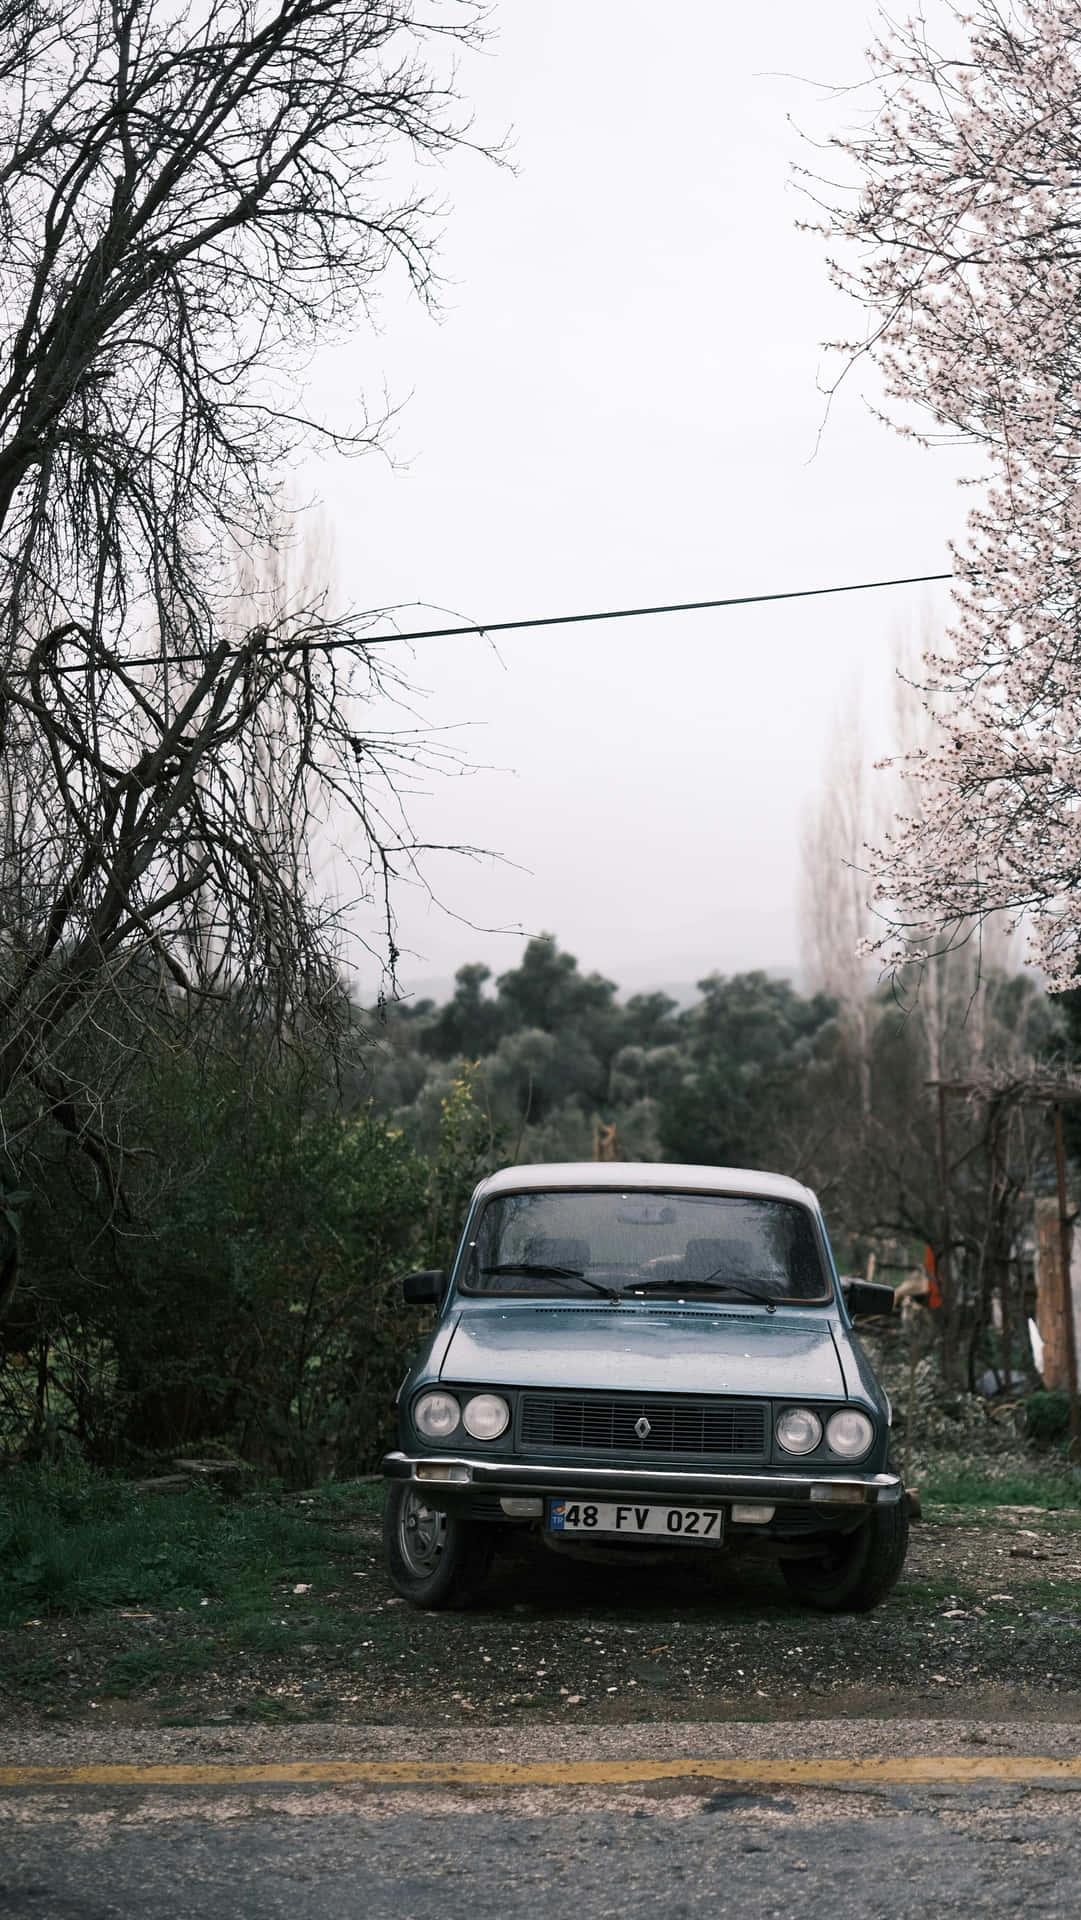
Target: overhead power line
{"points": [[639, 613], [483, 627]]}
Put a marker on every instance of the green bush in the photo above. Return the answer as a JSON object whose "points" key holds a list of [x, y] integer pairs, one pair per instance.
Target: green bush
{"points": [[250, 1301], [1047, 1416]]}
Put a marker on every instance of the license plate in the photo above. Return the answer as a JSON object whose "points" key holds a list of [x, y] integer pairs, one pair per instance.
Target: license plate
{"points": [[629, 1519]]}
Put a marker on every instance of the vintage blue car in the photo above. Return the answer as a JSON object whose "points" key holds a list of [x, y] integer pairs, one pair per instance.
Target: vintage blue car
{"points": [[642, 1357]]}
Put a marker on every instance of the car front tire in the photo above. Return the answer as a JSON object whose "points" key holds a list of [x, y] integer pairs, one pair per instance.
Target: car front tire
{"points": [[434, 1559], [859, 1570]]}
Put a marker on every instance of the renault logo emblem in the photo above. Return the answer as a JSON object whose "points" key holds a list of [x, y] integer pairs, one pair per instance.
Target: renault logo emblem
{"points": [[642, 1428]]}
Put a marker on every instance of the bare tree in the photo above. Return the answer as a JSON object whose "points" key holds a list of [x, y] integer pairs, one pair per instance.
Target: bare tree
{"points": [[955, 976], [188, 199], [833, 901]]}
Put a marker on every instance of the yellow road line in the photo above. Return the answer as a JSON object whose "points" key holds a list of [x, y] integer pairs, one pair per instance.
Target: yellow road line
{"points": [[926, 1769]]}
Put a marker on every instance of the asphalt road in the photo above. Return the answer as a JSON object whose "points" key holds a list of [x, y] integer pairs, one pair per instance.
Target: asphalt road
{"points": [[388, 1847], [961, 1853]]}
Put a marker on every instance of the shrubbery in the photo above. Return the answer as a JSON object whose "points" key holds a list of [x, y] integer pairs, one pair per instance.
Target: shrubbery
{"points": [[247, 1297], [1047, 1416]]}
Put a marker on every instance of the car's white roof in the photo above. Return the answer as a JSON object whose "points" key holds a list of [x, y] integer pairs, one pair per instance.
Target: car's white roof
{"points": [[623, 1174]]}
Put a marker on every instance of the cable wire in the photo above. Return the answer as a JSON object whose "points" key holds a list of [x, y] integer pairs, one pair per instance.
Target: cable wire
{"points": [[541, 620], [638, 613]]}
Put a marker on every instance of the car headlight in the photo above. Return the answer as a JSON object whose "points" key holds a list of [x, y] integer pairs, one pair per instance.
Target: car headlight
{"points": [[436, 1415], [486, 1416], [799, 1430], [849, 1433]]}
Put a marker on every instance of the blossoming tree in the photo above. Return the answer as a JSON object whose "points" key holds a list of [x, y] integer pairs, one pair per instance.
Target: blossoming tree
{"points": [[963, 243]]}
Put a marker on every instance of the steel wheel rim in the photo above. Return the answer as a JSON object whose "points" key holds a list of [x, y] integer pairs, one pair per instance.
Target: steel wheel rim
{"points": [[422, 1536]]}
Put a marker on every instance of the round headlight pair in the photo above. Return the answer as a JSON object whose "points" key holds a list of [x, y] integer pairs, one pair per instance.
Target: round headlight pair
{"points": [[484, 1417], [848, 1433]]}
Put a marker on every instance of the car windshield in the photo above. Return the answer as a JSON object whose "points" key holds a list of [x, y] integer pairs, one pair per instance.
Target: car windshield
{"points": [[645, 1244]]}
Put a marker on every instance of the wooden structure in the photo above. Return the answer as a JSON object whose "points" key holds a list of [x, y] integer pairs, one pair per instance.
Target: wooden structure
{"points": [[1055, 1305], [1050, 1312], [606, 1142]]}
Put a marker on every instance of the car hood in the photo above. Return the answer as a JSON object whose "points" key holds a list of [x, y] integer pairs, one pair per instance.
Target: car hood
{"points": [[655, 1350]]}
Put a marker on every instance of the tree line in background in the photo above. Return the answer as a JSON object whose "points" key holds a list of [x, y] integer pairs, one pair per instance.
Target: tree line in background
{"points": [[247, 1294]]}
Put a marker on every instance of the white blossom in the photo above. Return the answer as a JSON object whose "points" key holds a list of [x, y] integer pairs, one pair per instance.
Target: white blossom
{"points": [[967, 239]]}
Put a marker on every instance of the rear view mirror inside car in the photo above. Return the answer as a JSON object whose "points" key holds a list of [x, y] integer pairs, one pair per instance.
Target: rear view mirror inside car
{"points": [[646, 1213]]}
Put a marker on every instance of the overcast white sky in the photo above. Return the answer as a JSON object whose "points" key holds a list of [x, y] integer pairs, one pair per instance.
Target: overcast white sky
{"points": [[620, 405]]}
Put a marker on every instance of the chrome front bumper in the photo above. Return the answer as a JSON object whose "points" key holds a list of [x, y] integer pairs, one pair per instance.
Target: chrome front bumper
{"points": [[458, 1473]]}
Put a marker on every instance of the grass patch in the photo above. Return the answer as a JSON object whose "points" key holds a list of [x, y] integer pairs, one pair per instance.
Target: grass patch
{"points": [[81, 1543], [1056, 1596], [111, 1592], [932, 1592], [341, 1500], [962, 1484]]}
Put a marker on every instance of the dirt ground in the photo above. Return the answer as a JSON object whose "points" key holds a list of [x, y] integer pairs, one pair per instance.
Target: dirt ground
{"points": [[985, 1623]]}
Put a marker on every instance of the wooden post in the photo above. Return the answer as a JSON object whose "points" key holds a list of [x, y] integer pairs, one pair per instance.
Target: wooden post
{"points": [[910, 1410], [1000, 1260], [1004, 1277], [1065, 1237], [944, 1274]]}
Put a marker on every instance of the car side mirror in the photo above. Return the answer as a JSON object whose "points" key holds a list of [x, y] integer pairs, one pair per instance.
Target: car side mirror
{"points": [[424, 1289], [863, 1297]]}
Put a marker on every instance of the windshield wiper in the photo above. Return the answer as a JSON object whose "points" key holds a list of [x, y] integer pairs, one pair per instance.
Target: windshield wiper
{"points": [[540, 1270], [710, 1283]]}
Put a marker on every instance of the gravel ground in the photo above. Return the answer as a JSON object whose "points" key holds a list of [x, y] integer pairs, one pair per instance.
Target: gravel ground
{"points": [[93, 1743], [985, 1624]]}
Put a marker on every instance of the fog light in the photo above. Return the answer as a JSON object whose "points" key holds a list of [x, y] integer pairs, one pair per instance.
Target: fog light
{"points": [[441, 1470], [837, 1494], [751, 1515], [526, 1507]]}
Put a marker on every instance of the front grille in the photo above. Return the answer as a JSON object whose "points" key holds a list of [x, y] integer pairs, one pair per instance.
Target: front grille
{"points": [[595, 1424]]}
